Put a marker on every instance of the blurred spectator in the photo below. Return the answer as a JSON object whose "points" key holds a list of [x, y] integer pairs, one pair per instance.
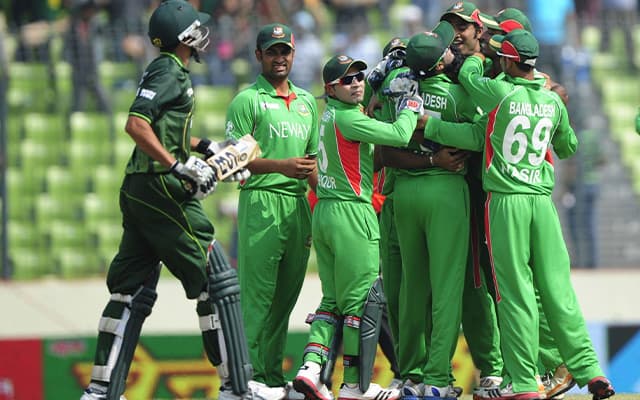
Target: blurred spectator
{"points": [[582, 183], [128, 26], [231, 52], [309, 51], [431, 11], [81, 53], [347, 13], [619, 14], [553, 25], [411, 20], [358, 41], [31, 18]]}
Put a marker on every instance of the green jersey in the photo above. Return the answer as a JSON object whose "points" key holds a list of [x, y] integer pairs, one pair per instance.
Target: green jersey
{"points": [[345, 154], [447, 101], [165, 100], [515, 135], [284, 127]]}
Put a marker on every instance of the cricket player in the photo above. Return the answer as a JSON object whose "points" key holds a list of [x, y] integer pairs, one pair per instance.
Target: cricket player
{"points": [[274, 219], [163, 219], [523, 232], [345, 227]]}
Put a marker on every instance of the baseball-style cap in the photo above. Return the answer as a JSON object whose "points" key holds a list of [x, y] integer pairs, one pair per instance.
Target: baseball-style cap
{"points": [[520, 46], [489, 22], [425, 49], [512, 18], [395, 43], [338, 66], [465, 10], [273, 34], [496, 42]]}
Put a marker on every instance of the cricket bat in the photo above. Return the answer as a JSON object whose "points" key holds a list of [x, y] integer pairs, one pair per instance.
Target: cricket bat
{"points": [[234, 157]]}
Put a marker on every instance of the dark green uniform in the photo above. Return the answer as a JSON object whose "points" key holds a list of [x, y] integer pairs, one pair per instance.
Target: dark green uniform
{"points": [[274, 219]]}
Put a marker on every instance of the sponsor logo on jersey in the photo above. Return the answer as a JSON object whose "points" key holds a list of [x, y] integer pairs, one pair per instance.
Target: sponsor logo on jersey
{"points": [[270, 106], [146, 93], [190, 92], [287, 129]]}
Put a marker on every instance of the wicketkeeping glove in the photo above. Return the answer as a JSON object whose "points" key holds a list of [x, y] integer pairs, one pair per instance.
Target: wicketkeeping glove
{"points": [[402, 85], [198, 176], [413, 103]]}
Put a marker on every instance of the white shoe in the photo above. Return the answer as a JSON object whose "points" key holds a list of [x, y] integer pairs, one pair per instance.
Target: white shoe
{"points": [[437, 391], [412, 389], [488, 385], [557, 384], [261, 391], [375, 392], [96, 392], [226, 393], [307, 382], [292, 393], [507, 393], [395, 384]]}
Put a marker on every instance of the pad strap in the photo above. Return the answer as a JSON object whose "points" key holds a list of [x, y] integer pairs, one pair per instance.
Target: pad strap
{"points": [[352, 321], [325, 316], [317, 348], [210, 322], [350, 361]]}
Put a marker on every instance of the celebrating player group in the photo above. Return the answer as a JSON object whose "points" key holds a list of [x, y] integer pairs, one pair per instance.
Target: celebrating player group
{"points": [[458, 127]]}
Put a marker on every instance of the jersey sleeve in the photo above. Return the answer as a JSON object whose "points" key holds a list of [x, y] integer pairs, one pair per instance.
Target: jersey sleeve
{"points": [[463, 135], [157, 88], [565, 142], [484, 91], [314, 137], [356, 126], [241, 115]]}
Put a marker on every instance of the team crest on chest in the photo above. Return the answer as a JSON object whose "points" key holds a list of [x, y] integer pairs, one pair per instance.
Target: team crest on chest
{"points": [[303, 109]]}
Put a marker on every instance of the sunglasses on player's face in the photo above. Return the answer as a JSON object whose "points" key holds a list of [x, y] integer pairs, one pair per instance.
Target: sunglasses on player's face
{"points": [[348, 79]]}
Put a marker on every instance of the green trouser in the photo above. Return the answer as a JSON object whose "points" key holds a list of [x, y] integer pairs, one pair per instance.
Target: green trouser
{"points": [[479, 321], [549, 357], [432, 214], [274, 241], [161, 223], [528, 251], [391, 263], [346, 240]]}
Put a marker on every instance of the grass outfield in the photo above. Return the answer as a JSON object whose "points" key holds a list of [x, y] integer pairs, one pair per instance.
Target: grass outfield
{"points": [[582, 397]]}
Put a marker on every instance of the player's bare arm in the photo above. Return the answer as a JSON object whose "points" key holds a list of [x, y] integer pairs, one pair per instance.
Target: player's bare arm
{"points": [[448, 158], [142, 133], [296, 167]]}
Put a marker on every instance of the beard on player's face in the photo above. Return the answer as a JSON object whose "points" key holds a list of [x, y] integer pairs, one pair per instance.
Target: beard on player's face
{"points": [[452, 69]]}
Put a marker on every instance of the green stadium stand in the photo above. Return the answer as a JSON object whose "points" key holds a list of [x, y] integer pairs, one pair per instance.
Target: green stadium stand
{"points": [[98, 211], [61, 184], [27, 263], [50, 130], [83, 160], [72, 263], [20, 196], [49, 208], [30, 87], [112, 74], [212, 98], [106, 182], [108, 237]]}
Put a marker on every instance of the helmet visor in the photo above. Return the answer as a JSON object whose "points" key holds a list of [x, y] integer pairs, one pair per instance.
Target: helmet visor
{"points": [[195, 36]]}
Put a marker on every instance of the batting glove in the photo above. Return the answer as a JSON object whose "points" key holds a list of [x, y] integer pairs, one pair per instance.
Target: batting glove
{"points": [[199, 177], [209, 148]]}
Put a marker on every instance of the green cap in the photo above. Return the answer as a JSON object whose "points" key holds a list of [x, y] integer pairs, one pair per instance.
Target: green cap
{"points": [[520, 46], [489, 22], [465, 10], [425, 49], [496, 42], [395, 43], [273, 34], [338, 66], [512, 18]]}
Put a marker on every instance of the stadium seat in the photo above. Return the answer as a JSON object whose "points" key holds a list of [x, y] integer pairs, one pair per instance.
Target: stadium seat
{"points": [[95, 129], [50, 130], [72, 263], [107, 181], [49, 208], [20, 196], [61, 184], [113, 74], [212, 99], [83, 160], [99, 211], [30, 88], [108, 237], [210, 125], [27, 263]]}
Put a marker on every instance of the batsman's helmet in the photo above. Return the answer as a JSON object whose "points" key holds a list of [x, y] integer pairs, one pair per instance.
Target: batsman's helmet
{"points": [[177, 21]]}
